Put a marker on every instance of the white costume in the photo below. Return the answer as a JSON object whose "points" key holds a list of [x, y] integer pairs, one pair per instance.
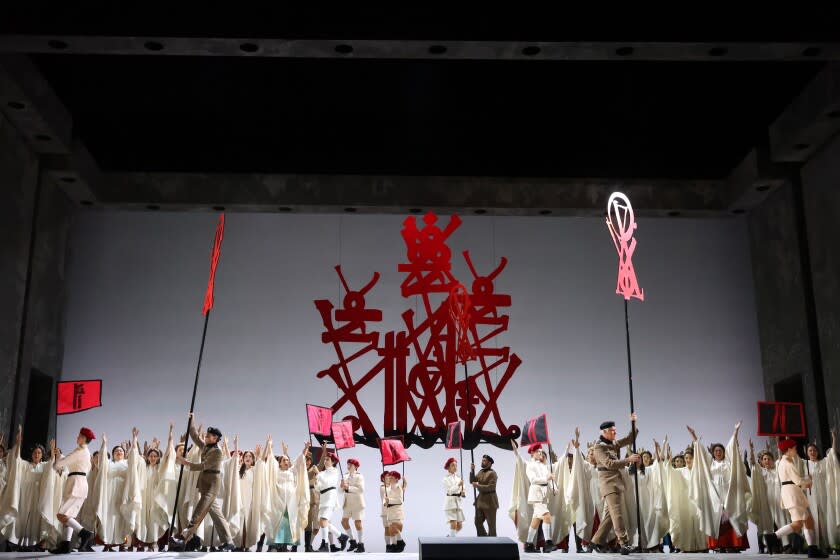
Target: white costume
{"points": [[327, 485], [354, 497], [158, 497], [393, 501], [537, 473], [109, 494], [453, 485], [578, 492], [683, 514], [289, 501], [76, 487], [21, 521]]}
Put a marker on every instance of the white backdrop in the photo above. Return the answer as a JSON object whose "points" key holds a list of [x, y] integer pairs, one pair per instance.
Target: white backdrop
{"points": [[137, 280]]}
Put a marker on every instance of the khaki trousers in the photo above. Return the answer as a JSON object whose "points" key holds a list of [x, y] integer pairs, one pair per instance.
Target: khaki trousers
{"points": [[611, 517], [482, 515], [207, 504]]}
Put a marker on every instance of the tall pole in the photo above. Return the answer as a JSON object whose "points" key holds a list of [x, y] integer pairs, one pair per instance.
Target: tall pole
{"points": [[189, 421], [469, 426], [633, 423]]}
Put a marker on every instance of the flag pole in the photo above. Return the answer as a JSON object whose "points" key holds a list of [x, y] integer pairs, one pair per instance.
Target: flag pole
{"points": [[633, 422], [469, 429]]}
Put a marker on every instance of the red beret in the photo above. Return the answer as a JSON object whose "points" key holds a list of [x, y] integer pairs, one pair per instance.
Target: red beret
{"points": [[534, 447], [395, 474], [449, 462], [786, 444], [353, 462], [333, 457], [88, 433]]}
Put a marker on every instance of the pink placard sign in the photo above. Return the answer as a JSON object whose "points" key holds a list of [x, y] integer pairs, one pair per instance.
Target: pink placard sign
{"points": [[622, 224]]}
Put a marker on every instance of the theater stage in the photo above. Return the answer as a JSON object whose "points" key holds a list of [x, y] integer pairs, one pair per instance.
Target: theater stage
{"points": [[349, 555]]}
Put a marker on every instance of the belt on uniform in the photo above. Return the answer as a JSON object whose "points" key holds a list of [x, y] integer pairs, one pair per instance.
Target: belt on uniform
{"points": [[77, 474], [456, 495], [325, 490], [540, 484], [211, 472], [487, 492], [603, 469], [392, 505], [787, 482]]}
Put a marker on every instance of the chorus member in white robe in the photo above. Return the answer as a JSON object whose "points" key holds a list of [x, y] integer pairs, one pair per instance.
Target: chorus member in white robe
{"points": [[578, 490], [394, 499], [353, 489], [109, 494], [131, 505], [453, 494], [720, 489], [683, 515], [75, 491], [160, 479], [558, 507], [653, 508], [540, 477], [794, 500], [765, 487], [21, 522], [822, 494], [289, 499], [246, 536], [519, 510], [327, 484]]}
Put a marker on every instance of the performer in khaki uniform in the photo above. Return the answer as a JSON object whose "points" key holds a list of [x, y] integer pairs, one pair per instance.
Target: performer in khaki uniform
{"points": [[209, 484], [75, 492], [314, 499], [353, 487], [487, 502], [794, 500], [607, 452]]}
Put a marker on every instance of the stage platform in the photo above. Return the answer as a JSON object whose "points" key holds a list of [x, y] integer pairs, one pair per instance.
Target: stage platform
{"points": [[349, 555]]}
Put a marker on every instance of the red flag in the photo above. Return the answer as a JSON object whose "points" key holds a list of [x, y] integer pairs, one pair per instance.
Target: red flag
{"points": [[776, 419], [214, 261], [76, 396], [454, 440], [392, 451], [535, 430], [343, 434], [320, 420]]}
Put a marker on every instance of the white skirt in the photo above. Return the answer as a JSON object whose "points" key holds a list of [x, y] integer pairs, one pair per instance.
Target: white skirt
{"points": [[540, 509], [71, 506], [454, 515]]}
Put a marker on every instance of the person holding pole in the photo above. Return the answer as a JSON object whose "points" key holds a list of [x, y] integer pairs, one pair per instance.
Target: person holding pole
{"points": [[453, 493], [353, 488], [75, 492], [539, 474], [611, 485], [487, 503], [327, 483], [209, 484]]}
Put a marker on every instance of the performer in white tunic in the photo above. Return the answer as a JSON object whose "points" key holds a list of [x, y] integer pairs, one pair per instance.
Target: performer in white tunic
{"points": [[540, 478], [822, 494], [394, 498], [247, 536], [327, 485], [683, 514], [453, 494], [289, 503], [653, 508], [21, 522], [353, 488], [109, 493], [766, 509], [578, 492], [75, 492], [794, 500], [519, 510], [160, 480]]}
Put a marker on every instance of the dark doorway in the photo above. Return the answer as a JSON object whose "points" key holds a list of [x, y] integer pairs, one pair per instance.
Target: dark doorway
{"points": [[790, 390], [36, 423]]}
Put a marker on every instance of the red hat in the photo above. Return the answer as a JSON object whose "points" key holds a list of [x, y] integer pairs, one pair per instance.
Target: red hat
{"points": [[449, 462], [382, 476], [394, 474], [354, 462], [333, 457], [534, 447], [88, 433], [786, 444]]}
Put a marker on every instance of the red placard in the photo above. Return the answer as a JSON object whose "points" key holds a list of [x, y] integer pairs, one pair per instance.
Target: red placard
{"points": [[76, 396], [535, 430], [393, 452], [781, 419], [319, 420], [454, 439], [343, 434]]}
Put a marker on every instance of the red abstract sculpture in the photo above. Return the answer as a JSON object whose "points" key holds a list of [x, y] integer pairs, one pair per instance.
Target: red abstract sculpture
{"points": [[621, 222], [422, 391]]}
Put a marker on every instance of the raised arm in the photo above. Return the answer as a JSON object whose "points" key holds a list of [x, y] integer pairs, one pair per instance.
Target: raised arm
{"points": [[194, 435]]}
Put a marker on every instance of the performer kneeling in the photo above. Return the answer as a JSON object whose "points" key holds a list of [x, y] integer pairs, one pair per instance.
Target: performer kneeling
{"points": [[453, 486], [209, 484], [539, 475], [353, 487], [327, 484], [793, 500], [75, 492]]}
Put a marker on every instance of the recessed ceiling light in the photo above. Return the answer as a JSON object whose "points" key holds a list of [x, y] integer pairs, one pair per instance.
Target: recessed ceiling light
{"points": [[437, 49], [343, 49], [57, 44], [284, 209], [249, 47], [624, 51], [531, 50], [153, 46]]}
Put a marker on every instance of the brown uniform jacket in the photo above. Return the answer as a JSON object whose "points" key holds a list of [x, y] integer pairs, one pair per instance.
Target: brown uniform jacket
{"points": [[314, 495], [486, 479], [610, 465], [210, 479]]}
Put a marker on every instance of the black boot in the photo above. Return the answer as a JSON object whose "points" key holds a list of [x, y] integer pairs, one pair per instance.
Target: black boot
{"points": [[529, 547], [549, 546], [323, 547], [360, 547], [85, 540], [64, 548], [352, 546], [307, 541], [193, 544], [400, 546], [773, 543], [342, 540], [813, 552]]}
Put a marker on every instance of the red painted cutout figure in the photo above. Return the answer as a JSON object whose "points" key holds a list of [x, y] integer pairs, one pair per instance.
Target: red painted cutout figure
{"points": [[423, 393], [622, 224]]}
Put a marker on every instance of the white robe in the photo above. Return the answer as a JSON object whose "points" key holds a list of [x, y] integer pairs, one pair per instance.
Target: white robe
{"points": [[577, 489], [452, 488], [654, 509], [110, 491], [519, 510], [683, 515], [21, 521], [720, 488], [289, 493]]}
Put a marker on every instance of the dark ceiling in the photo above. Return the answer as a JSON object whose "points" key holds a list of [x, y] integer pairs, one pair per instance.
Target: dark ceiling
{"points": [[631, 119]]}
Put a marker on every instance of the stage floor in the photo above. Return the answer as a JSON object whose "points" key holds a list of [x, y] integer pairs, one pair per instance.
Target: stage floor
{"points": [[348, 555]]}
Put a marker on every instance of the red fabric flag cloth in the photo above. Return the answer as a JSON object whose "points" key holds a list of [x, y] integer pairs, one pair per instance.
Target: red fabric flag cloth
{"points": [[343, 434], [535, 430], [393, 452], [214, 262], [778, 419], [76, 396], [319, 419], [454, 439]]}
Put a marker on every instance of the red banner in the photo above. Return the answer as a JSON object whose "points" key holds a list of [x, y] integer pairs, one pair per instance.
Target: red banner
{"points": [[319, 420], [535, 430], [781, 419], [214, 261], [76, 396], [343, 434], [393, 452]]}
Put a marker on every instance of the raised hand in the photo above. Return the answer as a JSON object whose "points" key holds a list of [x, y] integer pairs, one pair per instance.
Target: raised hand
{"points": [[257, 450], [285, 448], [692, 432]]}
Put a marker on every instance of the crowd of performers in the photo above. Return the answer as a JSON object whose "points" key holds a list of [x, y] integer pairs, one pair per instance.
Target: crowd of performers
{"points": [[695, 500]]}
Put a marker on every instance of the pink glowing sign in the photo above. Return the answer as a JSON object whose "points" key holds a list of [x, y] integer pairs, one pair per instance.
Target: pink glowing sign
{"points": [[622, 224]]}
